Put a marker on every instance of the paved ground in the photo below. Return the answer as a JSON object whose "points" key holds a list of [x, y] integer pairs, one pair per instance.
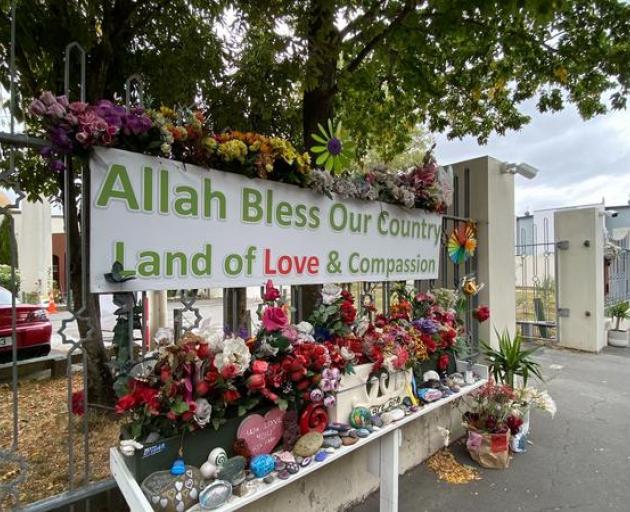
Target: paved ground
{"points": [[580, 461]]}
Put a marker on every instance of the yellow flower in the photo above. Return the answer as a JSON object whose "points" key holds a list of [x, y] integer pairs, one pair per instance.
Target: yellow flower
{"points": [[209, 143], [233, 150], [255, 146], [167, 112]]}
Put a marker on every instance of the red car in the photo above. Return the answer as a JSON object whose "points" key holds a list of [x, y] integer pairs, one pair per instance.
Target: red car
{"points": [[33, 328]]}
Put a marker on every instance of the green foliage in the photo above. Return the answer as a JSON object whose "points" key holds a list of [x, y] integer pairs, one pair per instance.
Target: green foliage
{"points": [[5, 278], [5, 242], [619, 312], [511, 360]]}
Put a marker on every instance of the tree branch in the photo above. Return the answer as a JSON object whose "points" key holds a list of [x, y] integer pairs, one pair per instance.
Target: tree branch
{"points": [[378, 38]]}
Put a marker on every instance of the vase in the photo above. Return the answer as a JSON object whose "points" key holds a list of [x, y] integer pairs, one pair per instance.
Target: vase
{"points": [[490, 451]]}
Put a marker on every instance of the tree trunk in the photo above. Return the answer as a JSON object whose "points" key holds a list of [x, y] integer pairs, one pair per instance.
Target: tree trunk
{"points": [[100, 382], [318, 100]]}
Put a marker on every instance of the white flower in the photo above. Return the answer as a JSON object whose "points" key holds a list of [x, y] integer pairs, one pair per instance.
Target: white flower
{"points": [[363, 326], [347, 354], [236, 352], [305, 332], [164, 336], [331, 293], [211, 334]]}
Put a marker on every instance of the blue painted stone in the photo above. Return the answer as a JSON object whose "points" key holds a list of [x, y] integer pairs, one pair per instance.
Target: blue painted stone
{"points": [[178, 468], [363, 432], [262, 465], [320, 456], [339, 426], [332, 442]]}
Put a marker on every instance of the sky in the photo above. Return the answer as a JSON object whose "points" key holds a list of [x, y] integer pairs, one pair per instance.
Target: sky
{"points": [[579, 162]]}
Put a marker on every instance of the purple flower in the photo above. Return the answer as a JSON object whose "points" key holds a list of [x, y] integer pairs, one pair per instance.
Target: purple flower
{"points": [[334, 146], [60, 140], [57, 165], [426, 325], [134, 124], [57, 110], [63, 101], [112, 114], [37, 108], [46, 152], [48, 98]]}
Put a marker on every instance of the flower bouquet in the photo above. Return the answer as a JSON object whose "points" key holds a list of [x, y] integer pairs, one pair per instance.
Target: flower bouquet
{"points": [[490, 422]]}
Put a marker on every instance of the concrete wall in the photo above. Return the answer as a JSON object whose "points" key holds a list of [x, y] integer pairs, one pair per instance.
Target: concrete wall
{"points": [[349, 480], [492, 206], [581, 278]]}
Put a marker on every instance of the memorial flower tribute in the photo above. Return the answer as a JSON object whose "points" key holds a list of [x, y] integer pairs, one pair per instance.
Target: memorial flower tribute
{"points": [[185, 134]]}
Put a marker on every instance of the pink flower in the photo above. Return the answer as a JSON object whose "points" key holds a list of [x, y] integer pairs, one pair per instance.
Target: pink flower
{"points": [[77, 107], [37, 108], [274, 319], [48, 98], [260, 366], [63, 100], [82, 137], [56, 110], [290, 333]]}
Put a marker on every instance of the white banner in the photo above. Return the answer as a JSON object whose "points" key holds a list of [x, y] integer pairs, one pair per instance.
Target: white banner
{"points": [[178, 226]]}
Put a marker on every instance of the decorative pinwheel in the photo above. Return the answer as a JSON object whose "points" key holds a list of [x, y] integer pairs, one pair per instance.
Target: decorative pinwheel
{"points": [[335, 153], [462, 243]]}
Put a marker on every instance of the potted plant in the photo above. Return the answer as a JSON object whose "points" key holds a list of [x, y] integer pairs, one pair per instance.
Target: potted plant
{"points": [[618, 337], [510, 360]]}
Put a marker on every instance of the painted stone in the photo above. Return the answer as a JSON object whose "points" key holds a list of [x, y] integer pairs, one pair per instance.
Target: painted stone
{"points": [[262, 465], [352, 433], [233, 470], [178, 467], [218, 456], [330, 432], [363, 432], [269, 479], [208, 470], [249, 475], [173, 493], [348, 441], [293, 467], [332, 442], [360, 417], [284, 475], [286, 456], [329, 450], [262, 434], [279, 465], [308, 444], [339, 426], [393, 415], [377, 421], [215, 495], [306, 461], [321, 456]]}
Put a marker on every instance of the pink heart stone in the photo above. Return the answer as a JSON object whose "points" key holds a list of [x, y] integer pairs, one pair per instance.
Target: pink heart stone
{"points": [[262, 434]]}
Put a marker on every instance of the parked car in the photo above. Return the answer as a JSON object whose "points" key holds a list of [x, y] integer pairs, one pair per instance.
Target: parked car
{"points": [[33, 329]]}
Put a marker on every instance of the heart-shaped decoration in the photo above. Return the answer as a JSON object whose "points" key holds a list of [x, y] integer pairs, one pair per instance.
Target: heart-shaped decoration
{"points": [[155, 499], [164, 502], [262, 434], [179, 485]]}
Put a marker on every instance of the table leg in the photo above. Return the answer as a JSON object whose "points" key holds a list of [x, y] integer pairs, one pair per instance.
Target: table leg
{"points": [[389, 471]]}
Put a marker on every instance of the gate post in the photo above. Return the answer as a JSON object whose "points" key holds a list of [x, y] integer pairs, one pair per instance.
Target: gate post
{"points": [[491, 199], [580, 278]]}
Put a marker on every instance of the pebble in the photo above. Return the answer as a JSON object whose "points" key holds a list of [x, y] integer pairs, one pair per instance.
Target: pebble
{"points": [[340, 427], [360, 417], [299, 459], [330, 432], [293, 467], [268, 479], [352, 433], [332, 442], [377, 421], [306, 461], [286, 457], [284, 475], [414, 408], [348, 441], [320, 456], [363, 432], [280, 465], [308, 444], [330, 450], [238, 480], [249, 476], [376, 429]]}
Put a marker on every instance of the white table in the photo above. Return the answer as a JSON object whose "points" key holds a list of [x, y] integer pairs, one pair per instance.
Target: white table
{"points": [[385, 452]]}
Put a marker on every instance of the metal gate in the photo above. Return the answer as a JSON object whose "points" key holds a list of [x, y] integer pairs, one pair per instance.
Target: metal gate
{"points": [[536, 284], [76, 438]]}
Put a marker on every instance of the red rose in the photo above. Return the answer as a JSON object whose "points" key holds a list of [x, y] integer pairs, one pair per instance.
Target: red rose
{"points": [[256, 382], [125, 403], [274, 319], [443, 362], [231, 395], [260, 366], [348, 312], [202, 388], [229, 371], [271, 293], [482, 313], [430, 344], [203, 351], [212, 377]]}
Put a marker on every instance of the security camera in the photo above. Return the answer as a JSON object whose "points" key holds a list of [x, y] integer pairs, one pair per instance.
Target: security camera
{"points": [[611, 213], [525, 170]]}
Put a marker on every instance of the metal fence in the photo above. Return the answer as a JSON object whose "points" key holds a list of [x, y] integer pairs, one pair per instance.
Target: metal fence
{"points": [[536, 284], [617, 277], [79, 442]]}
